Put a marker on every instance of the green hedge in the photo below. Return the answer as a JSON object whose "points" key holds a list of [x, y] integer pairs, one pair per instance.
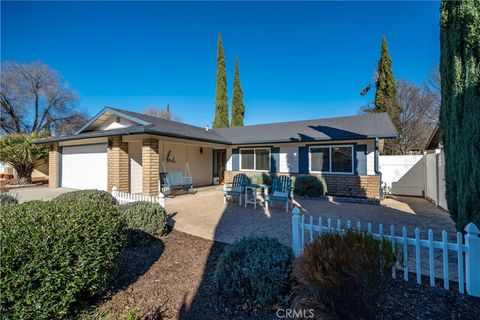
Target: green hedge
{"points": [[95, 195], [6, 198], [146, 217], [310, 186], [255, 269], [55, 255]]}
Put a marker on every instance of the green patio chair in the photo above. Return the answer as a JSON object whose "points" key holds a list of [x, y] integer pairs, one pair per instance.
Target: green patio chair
{"points": [[238, 188], [281, 190]]}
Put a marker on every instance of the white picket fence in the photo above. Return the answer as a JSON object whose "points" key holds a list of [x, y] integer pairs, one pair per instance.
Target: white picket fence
{"points": [[468, 253], [125, 197]]}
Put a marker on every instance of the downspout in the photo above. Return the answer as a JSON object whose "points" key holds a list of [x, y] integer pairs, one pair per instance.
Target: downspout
{"points": [[376, 167]]}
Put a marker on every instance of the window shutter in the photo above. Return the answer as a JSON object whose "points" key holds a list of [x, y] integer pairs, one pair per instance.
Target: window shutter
{"points": [[235, 160], [303, 159], [360, 159], [275, 160]]}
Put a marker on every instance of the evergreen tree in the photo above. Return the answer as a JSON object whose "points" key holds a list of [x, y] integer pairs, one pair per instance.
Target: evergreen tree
{"points": [[221, 96], [386, 87], [460, 108], [386, 95], [238, 108]]}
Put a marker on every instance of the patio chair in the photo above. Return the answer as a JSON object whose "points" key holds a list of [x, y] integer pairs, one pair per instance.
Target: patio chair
{"points": [[280, 191], [238, 188]]}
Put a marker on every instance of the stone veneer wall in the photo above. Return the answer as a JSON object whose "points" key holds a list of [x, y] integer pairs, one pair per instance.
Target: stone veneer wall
{"points": [[53, 168], [337, 184], [150, 167], [118, 165]]}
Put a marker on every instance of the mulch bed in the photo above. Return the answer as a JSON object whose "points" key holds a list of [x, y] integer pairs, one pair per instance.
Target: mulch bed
{"points": [[172, 278]]}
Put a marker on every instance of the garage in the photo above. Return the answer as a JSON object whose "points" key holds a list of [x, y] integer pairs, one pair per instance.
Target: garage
{"points": [[84, 166]]}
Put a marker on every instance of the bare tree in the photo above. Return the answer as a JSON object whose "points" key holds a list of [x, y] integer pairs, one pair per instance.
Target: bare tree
{"points": [[35, 99], [418, 117], [163, 113]]}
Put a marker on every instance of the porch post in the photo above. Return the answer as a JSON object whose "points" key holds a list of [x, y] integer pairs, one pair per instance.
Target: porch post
{"points": [[53, 166], [150, 167], [118, 164]]}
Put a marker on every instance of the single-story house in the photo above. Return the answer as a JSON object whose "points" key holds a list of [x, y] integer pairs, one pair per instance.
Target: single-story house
{"points": [[130, 150]]}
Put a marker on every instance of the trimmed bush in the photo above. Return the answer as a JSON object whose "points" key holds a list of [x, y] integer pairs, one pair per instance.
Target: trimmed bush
{"points": [[55, 255], [261, 178], [146, 217], [342, 275], [310, 186], [95, 195], [255, 269], [6, 198]]}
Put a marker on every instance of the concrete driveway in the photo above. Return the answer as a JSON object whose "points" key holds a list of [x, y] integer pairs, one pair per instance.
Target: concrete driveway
{"points": [[38, 193]]}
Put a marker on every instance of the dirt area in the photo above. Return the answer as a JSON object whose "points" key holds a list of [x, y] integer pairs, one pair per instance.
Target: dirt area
{"points": [[171, 278]]}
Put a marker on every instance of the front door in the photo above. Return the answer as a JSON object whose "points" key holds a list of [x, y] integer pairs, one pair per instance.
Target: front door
{"points": [[219, 162]]}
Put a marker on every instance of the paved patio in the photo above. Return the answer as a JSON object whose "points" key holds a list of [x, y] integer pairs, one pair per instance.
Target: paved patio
{"points": [[205, 215]]}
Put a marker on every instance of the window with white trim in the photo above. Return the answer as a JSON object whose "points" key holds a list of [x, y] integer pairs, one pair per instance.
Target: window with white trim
{"points": [[331, 159], [255, 159]]}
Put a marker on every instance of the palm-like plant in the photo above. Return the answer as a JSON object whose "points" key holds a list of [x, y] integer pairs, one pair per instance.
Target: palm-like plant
{"points": [[19, 151]]}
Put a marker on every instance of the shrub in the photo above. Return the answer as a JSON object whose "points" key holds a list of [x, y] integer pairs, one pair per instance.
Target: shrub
{"points": [[262, 178], [55, 255], [145, 217], [342, 274], [310, 186], [95, 195], [254, 269], [6, 198]]}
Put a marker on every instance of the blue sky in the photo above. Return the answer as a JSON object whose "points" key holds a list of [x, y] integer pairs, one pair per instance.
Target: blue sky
{"points": [[297, 60]]}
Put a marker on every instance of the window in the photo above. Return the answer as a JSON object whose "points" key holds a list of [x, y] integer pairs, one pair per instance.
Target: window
{"points": [[256, 159], [331, 159]]}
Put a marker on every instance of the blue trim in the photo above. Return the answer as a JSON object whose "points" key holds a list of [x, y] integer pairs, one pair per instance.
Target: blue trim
{"points": [[60, 155], [303, 159], [118, 113], [274, 160], [235, 160]]}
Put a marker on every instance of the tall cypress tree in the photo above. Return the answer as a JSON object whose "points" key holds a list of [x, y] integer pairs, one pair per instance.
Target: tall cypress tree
{"points": [[221, 96], [386, 94], [386, 87], [460, 108], [238, 108]]}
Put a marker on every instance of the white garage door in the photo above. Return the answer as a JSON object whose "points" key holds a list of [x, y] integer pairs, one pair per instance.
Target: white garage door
{"points": [[84, 167]]}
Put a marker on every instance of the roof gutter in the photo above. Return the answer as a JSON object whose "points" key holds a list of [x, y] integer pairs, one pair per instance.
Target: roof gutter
{"points": [[376, 167]]}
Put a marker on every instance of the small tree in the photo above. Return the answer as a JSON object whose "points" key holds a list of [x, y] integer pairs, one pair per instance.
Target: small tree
{"points": [[238, 108], [221, 95], [163, 113], [19, 151]]}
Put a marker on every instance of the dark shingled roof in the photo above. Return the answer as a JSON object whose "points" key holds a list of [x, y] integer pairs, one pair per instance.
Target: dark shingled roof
{"points": [[376, 125]]}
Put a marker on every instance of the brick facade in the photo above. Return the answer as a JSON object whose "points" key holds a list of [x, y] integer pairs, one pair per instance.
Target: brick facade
{"points": [[150, 167], [118, 165], [53, 166], [337, 185]]}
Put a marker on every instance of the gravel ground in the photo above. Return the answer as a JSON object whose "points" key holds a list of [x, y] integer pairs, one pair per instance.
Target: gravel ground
{"points": [[171, 278]]}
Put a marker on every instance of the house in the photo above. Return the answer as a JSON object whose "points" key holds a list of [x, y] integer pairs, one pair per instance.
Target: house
{"points": [[130, 150]]}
